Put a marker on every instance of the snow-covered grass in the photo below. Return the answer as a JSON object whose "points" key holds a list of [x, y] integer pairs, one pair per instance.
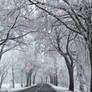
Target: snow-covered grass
{"points": [[62, 89], [12, 89], [19, 89], [57, 88], [3, 90]]}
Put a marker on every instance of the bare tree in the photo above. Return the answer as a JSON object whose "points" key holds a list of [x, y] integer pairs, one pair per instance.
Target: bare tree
{"points": [[13, 77], [3, 73], [80, 18]]}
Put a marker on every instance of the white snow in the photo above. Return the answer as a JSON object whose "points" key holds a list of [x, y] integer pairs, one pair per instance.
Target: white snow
{"points": [[7, 85], [62, 89], [18, 89], [59, 88]]}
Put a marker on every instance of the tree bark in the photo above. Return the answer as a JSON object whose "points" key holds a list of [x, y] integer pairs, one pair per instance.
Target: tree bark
{"points": [[21, 78], [71, 77], [1, 84], [34, 78], [55, 80], [27, 79], [71, 80], [13, 79], [29, 76], [90, 52], [81, 88], [51, 80]]}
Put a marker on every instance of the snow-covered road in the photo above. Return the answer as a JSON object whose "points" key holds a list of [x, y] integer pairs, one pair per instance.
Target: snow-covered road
{"points": [[39, 88]]}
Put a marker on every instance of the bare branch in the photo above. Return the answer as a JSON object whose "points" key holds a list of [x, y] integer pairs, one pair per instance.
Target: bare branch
{"points": [[50, 13], [8, 33]]}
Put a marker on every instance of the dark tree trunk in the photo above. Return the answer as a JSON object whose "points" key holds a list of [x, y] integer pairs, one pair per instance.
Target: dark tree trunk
{"points": [[71, 77], [51, 79], [1, 81], [13, 79], [55, 80], [27, 81], [21, 78], [71, 80], [30, 81], [29, 75], [90, 52], [34, 78], [81, 88], [46, 79], [1, 84]]}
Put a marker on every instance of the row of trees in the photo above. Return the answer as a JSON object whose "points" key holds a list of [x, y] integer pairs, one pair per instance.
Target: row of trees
{"points": [[13, 29], [71, 24], [61, 26]]}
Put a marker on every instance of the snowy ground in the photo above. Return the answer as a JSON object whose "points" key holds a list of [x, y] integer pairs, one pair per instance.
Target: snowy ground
{"points": [[15, 90], [58, 89]]}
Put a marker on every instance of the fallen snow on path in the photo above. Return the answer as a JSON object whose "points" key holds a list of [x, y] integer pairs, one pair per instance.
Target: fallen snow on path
{"points": [[15, 89], [59, 88], [62, 89], [12, 89]]}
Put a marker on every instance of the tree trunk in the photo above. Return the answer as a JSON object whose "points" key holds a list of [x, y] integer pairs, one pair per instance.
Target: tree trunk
{"points": [[34, 78], [71, 77], [51, 79], [21, 78], [13, 79], [26, 79], [55, 80], [90, 52], [81, 88], [1, 84], [46, 79], [71, 80], [30, 80], [29, 75]]}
